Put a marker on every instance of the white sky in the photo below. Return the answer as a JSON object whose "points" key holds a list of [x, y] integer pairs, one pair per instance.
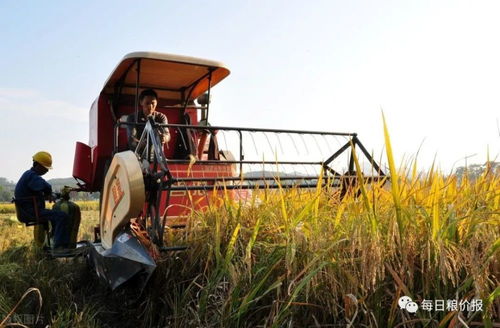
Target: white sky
{"points": [[432, 66]]}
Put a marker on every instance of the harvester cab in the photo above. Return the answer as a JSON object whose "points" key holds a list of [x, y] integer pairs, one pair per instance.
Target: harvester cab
{"points": [[155, 187]]}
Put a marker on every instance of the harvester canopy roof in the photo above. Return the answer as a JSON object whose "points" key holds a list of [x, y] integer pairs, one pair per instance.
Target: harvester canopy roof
{"points": [[174, 77]]}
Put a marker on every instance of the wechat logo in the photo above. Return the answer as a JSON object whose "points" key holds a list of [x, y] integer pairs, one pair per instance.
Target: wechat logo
{"points": [[407, 303]]}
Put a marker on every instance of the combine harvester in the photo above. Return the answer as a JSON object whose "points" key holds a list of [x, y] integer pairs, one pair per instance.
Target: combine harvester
{"points": [[154, 188]]}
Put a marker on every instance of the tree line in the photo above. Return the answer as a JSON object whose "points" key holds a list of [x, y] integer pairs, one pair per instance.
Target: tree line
{"points": [[7, 189]]}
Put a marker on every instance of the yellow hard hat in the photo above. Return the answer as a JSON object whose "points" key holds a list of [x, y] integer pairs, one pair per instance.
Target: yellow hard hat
{"points": [[44, 159]]}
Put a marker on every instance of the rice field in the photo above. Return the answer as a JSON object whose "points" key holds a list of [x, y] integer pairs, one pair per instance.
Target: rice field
{"points": [[293, 258], [90, 205]]}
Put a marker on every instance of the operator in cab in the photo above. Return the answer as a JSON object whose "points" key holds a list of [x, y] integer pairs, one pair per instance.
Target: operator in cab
{"points": [[148, 99], [30, 195]]}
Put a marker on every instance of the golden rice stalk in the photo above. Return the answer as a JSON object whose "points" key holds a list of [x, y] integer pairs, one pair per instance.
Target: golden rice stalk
{"points": [[436, 195], [366, 200], [394, 177]]}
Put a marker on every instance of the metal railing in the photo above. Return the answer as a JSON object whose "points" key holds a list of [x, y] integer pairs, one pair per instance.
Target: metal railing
{"points": [[150, 137]]}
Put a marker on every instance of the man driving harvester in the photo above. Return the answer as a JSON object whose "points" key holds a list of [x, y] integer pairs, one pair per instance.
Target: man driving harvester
{"points": [[148, 99], [32, 191]]}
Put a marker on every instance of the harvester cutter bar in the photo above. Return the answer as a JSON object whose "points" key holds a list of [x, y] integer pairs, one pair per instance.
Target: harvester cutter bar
{"points": [[173, 248], [264, 183], [268, 178]]}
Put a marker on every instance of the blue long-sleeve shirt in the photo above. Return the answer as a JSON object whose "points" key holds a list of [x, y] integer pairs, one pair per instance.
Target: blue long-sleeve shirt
{"points": [[31, 185]]}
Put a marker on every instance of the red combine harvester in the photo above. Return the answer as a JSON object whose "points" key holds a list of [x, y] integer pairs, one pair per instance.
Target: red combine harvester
{"points": [[152, 188]]}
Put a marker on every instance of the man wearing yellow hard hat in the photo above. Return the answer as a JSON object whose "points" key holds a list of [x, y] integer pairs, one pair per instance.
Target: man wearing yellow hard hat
{"points": [[32, 191]]}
